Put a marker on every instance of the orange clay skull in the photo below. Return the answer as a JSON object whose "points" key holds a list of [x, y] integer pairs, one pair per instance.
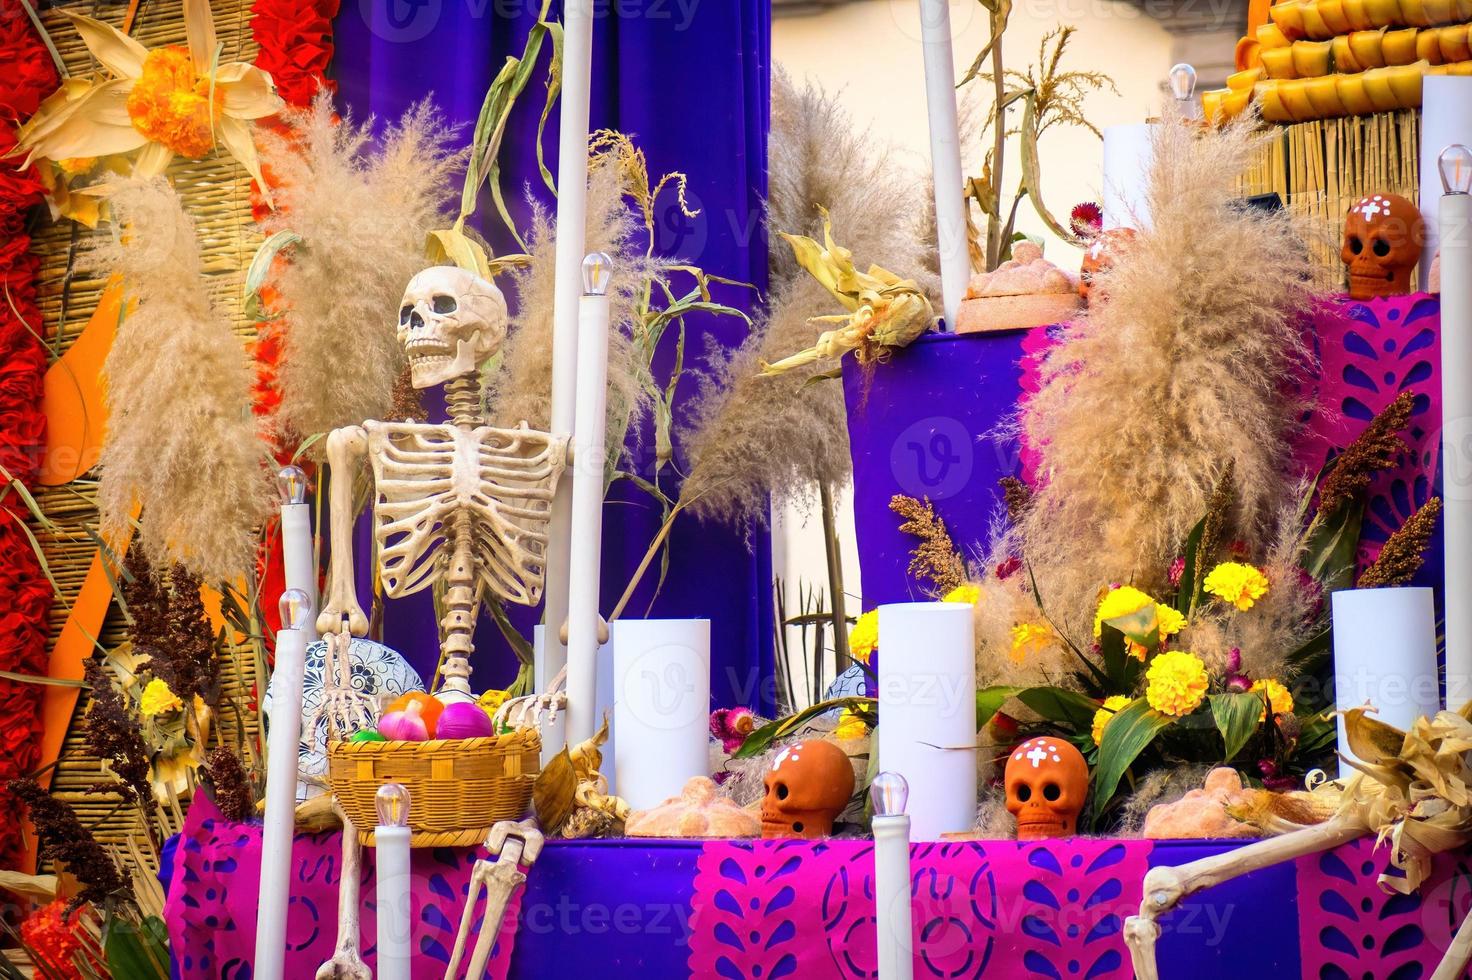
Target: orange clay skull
{"points": [[808, 785], [1099, 255], [1047, 780], [1383, 237]]}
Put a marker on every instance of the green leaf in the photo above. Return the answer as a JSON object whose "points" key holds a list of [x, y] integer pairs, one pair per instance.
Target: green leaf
{"points": [[1032, 171], [1236, 718], [1058, 705], [1329, 552], [138, 953], [260, 268], [758, 741], [1130, 732], [989, 701], [1186, 594]]}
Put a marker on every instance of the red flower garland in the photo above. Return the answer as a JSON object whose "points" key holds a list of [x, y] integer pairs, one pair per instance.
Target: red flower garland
{"points": [[27, 76]]}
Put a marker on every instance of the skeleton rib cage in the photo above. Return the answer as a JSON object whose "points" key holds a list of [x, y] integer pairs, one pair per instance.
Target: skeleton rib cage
{"points": [[503, 500]]}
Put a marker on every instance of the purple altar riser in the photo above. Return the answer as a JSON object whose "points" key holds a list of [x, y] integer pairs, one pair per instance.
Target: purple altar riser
{"points": [[764, 909]]}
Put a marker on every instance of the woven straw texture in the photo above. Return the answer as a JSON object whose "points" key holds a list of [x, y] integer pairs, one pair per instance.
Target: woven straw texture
{"points": [[457, 788], [217, 192], [1321, 168]]}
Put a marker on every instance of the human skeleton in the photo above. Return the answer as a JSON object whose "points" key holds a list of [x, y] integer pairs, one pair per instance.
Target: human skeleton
{"points": [[459, 502]]}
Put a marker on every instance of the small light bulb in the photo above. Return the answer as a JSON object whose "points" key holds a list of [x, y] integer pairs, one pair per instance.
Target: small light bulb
{"points": [[890, 794], [1183, 82], [392, 801], [295, 607], [597, 270], [291, 484], [1455, 164]]}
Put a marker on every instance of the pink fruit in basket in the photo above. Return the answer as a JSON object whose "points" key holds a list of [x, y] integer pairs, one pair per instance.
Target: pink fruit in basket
{"points": [[464, 719], [404, 725]]}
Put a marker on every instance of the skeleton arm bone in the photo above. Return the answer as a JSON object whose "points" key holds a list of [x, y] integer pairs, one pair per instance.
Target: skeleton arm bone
{"points": [[346, 449]]}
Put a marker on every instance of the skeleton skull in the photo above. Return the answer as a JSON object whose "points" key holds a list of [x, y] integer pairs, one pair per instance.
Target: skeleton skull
{"points": [[1047, 780], [450, 323], [809, 784], [1383, 237]]}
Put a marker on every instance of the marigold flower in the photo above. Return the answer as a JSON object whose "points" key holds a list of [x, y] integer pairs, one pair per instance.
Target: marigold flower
{"points": [[1029, 639], [1175, 683], [1106, 713], [1278, 696], [863, 639], [492, 700], [1119, 602], [158, 699], [850, 725], [1241, 585], [967, 593], [173, 106]]}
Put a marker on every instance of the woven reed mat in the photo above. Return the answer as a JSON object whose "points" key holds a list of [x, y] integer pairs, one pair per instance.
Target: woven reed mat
{"points": [[216, 190], [1321, 168]]}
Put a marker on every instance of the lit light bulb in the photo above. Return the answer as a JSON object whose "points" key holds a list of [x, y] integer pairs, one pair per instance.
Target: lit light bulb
{"points": [[890, 793], [291, 484], [295, 607], [1455, 164], [392, 801], [1183, 82], [597, 270]]}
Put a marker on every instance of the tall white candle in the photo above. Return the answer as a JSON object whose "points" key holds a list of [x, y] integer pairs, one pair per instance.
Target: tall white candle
{"points": [[1446, 118], [1455, 220], [590, 453], [1385, 654], [572, 208], [945, 155], [554, 730], [281, 777], [393, 880], [1127, 159], [661, 708], [297, 554], [894, 922], [927, 711]]}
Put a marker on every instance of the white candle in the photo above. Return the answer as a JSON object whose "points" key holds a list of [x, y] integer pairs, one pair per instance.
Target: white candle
{"points": [[1385, 654], [572, 207], [894, 926], [1455, 214], [391, 847], [661, 707], [281, 777], [590, 453], [553, 731], [297, 554], [945, 155], [927, 710], [1127, 159], [1446, 118]]}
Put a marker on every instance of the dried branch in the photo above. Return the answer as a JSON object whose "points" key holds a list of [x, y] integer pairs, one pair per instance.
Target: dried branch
{"points": [[1404, 553], [1376, 449], [935, 557]]}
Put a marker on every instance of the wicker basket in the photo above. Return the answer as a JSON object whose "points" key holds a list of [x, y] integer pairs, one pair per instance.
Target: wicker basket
{"points": [[458, 788]]}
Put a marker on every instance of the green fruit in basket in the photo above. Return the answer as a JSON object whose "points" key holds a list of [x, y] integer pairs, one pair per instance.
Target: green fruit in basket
{"points": [[366, 735]]}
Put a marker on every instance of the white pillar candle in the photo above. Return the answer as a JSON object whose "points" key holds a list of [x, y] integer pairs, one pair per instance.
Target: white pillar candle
{"points": [[661, 689], [553, 732], [894, 922], [1455, 220], [281, 777], [393, 880], [297, 554], [1127, 157], [572, 207], [1446, 118], [590, 455], [945, 155], [1385, 654], [927, 711]]}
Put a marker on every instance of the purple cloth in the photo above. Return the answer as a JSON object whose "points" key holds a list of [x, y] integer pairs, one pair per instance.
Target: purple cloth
{"points": [[662, 70]]}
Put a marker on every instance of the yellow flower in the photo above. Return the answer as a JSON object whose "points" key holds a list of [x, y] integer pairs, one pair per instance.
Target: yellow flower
{"points": [[1175, 683], [492, 700], [76, 166], [863, 639], [173, 106], [1029, 639], [850, 725], [968, 593], [1241, 585], [1119, 602], [1278, 696], [1170, 620], [158, 699], [1105, 713]]}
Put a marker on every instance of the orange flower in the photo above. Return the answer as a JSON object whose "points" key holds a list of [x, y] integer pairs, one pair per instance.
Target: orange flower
{"points": [[172, 105]]}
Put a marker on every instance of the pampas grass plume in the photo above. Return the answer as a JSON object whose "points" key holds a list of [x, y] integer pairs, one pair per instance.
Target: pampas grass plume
{"points": [[181, 438]]}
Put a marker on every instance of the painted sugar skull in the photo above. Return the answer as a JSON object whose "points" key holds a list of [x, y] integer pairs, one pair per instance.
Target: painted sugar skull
{"points": [[1099, 256], [450, 323], [808, 785], [1383, 238], [1047, 780]]}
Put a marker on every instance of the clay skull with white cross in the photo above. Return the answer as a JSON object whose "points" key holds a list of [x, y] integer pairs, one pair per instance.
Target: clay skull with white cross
{"points": [[1047, 781]]}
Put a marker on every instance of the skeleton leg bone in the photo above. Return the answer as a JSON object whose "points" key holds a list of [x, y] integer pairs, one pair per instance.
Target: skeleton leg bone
{"points": [[1166, 887], [346, 449], [347, 961], [513, 844]]}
